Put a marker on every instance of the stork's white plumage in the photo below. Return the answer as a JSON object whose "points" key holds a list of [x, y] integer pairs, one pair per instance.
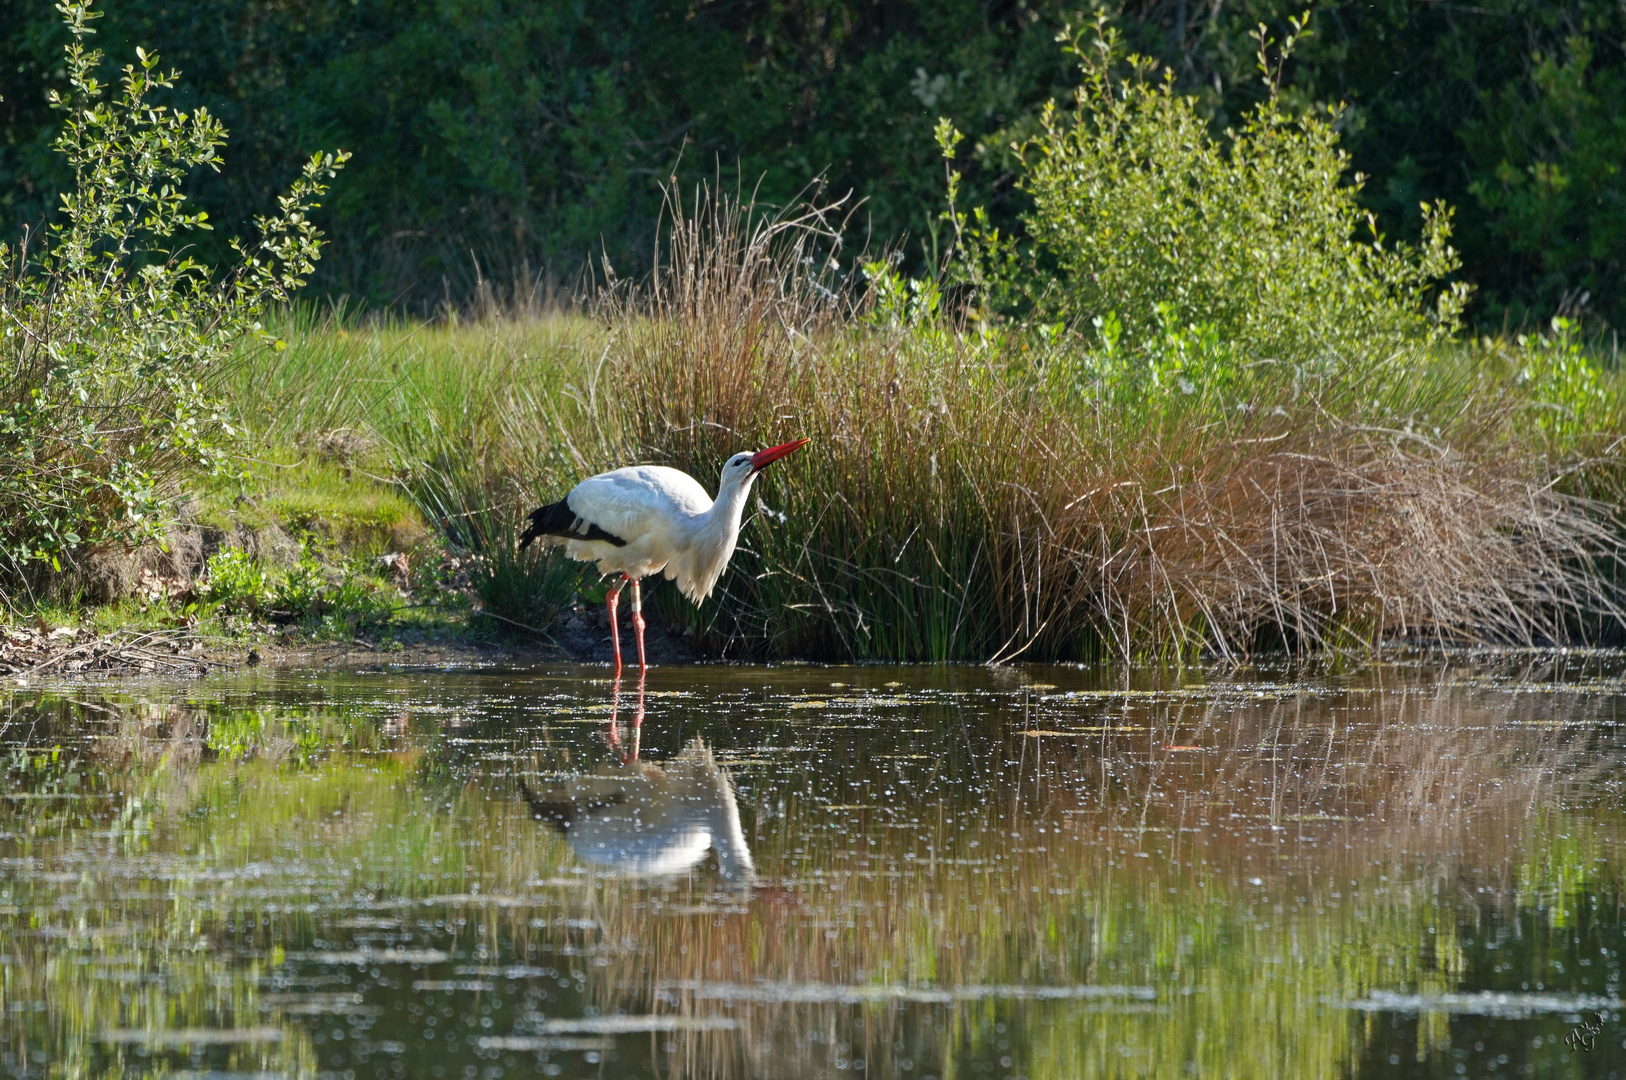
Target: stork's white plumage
{"points": [[648, 519]]}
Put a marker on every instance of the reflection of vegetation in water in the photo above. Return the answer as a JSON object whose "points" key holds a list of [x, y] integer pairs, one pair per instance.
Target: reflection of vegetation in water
{"points": [[1570, 865], [220, 836], [105, 982], [1233, 966], [216, 851]]}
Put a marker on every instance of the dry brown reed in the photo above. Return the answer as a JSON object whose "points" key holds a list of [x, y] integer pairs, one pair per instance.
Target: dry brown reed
{"points": [[1331, 528]]}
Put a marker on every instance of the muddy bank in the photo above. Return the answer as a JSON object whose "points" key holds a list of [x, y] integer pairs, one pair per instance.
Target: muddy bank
{"points": [[66, 651]]}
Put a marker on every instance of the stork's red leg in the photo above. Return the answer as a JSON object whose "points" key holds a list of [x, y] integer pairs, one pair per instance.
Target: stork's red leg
{"points": [[638, 623], [612, 600]]}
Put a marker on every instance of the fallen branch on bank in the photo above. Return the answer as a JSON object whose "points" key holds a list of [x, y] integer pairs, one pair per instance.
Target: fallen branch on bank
{"points": [[515, 622], [66, 651]]}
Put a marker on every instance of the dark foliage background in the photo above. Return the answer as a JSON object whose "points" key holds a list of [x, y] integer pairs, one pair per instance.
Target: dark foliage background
{"points": [[519, 136]]}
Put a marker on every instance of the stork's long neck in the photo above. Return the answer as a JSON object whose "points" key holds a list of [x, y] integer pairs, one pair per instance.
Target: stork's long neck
{"points": [[719, 527], [709, 542]]}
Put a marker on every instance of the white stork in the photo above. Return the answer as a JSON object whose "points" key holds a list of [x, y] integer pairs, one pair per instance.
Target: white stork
{"points": [[647, 519]]}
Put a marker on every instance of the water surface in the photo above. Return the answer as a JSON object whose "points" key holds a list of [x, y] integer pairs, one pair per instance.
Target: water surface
{"points": [[1411, 870]]}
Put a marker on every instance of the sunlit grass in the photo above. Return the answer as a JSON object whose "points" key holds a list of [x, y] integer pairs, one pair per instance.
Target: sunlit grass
{"points": [[304, 494], [401, 377]]}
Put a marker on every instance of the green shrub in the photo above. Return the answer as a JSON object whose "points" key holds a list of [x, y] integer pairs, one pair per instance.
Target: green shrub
{"points": [[1566, 388], [352, 604], [237, 581], [112, 331], [327, 603], [1547, 154], [1143, 223], [301, 590]]}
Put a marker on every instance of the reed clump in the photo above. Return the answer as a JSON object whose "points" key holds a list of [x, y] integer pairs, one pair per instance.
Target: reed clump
{"points": [[1329, 527]]}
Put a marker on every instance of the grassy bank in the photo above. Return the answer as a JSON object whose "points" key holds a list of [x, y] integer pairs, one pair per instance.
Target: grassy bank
{"points": [[967, 496], [972, 494]]}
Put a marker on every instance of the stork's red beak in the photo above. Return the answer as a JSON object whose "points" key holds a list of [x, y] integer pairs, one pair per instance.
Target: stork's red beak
{"points": [[763, 458]]}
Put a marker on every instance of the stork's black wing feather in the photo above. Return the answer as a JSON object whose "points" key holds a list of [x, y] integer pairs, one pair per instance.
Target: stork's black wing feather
{"points": [[558, 519]]}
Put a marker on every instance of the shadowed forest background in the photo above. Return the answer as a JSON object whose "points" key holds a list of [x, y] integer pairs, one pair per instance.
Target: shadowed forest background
{"points": [[516, 140]]}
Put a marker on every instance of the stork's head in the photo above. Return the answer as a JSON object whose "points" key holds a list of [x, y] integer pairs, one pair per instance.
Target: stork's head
{"points": [[741, 469]]}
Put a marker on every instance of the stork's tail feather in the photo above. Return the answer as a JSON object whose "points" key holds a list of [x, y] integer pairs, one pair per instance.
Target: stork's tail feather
{"points": [[558, 519]]}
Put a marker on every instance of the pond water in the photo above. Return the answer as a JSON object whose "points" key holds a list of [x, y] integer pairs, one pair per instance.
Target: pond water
{"points": [[1413, 869]]}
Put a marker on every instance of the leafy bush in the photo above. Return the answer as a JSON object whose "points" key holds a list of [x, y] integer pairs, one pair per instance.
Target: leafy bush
{"points": [[237, 580], [329, 604], [352, 604], [1143, 224], [527, 131], [1567, 389], [1548, 160], [302, 588], [112, 331]]}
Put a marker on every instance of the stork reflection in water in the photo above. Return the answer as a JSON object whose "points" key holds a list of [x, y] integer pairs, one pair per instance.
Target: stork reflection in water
{"points": [[634, 817]]}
